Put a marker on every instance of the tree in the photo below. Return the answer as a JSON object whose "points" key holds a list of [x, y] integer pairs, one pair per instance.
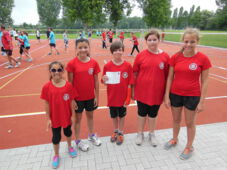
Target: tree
{"points": [[156, 12], [222, 13], [48, 11], [115, 8], [89, 12], [5, 11], [196, 17], [175, 18]]}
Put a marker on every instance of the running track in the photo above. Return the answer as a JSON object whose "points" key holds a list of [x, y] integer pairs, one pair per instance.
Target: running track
{"points": [[22, 118]]}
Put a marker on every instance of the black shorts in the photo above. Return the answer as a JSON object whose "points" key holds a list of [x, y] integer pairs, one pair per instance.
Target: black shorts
{"points": [[190, 102], [57, 134], [9, 52], [110, 40], [3, 50], [38, 38], [52, 45], [117, 112], [144, 110], [88, 105], [27, 48]]}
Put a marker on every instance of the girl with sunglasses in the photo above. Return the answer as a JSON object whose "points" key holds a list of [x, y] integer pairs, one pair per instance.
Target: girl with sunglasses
{"points": [[59, 105]]}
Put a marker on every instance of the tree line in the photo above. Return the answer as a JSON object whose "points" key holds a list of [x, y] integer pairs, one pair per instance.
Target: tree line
{"points": [[82, 14]]}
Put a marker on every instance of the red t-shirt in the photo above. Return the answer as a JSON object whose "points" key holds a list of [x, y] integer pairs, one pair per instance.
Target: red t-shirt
{"points": [[6, 38], [104, 36], [110, 34], [152, 72], [83, 77], [121, 36], [135, 41], [117, 93], [59, 99], [187, 71]]}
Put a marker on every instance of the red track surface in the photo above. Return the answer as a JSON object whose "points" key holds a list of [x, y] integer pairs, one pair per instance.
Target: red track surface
{"points": [[19, 93]]}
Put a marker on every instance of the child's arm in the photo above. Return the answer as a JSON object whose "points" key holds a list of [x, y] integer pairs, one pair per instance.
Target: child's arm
{"points": [[70, 77], [47, 109], [73, 108], [129, 95], [96, 90]]}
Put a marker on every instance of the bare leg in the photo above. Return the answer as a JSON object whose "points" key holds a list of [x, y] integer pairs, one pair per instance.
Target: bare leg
{"points": [[151, 124], [90, 122], [77, 125], [141, 123], [176, 113]]}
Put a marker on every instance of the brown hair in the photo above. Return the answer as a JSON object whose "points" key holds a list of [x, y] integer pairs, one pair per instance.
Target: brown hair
{"points": [[53, 63], [152, 32], [191, 31], [116, 45]]}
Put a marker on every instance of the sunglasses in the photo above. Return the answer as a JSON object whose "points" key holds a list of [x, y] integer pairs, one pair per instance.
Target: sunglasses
{"points": [[53, 70]]}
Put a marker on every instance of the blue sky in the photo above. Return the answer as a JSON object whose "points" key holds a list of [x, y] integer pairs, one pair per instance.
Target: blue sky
{"points": [[26, 10]]}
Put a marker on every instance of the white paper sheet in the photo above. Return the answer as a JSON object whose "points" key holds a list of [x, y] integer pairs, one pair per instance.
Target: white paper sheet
{"points": [[113, 77]]}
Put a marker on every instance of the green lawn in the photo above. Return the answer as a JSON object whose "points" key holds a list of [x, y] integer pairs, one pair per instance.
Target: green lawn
{"points": [[216, 40]]}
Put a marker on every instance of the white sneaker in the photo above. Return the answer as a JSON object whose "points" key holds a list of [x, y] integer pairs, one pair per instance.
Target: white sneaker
{"points": [[9, 66], [139, 138], [17, 64], [4, 54], [83, 146], [95, 140], [18, 58], [152, 139], [29, 60]]}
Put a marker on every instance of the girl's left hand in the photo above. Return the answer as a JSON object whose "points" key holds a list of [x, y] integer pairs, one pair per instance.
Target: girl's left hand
{"points": [[96, 102], [199, 107]]}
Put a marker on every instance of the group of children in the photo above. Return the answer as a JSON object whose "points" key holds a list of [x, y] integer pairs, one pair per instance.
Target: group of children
{"points": [[153, 78]]}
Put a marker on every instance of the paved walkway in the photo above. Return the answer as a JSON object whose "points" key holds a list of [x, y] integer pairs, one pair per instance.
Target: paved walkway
{"points": [[210, 153]]}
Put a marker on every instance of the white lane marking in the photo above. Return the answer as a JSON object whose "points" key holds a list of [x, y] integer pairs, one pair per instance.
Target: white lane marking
{"points": [[222, 68], [215, 75], [99, 108]]}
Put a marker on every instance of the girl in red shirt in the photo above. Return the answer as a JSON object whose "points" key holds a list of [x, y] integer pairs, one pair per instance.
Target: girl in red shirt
{"points": [[83, 74], [150, 69], [135, 43], [188, 69], [59, 105]]}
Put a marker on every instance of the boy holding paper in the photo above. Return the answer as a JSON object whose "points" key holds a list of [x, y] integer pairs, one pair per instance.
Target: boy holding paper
{"points": [[118, 76]]}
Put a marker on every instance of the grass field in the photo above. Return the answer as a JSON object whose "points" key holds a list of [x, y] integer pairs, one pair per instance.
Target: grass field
{"points": [[216, 40]]}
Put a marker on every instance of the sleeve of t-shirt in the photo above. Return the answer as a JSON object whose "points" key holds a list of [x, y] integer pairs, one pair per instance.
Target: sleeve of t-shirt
{"points": [[70, 67], [131, 77], [136, 64], [97, 68], [172, 60], [44, 93], [206, 63]]}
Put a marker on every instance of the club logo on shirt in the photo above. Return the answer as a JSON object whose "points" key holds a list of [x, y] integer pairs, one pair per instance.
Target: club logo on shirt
{"points": [[125, 75], [66, 97], [161, 65], [193, 66], [91, 71]]}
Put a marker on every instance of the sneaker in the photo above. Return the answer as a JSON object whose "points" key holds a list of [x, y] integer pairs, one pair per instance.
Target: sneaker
{"points": [[95, 140], [18, 58], [139, 138], [72, 152], [120, 139], [171, 143], [9, 66], [187, 153], [82, 146], [17, 64], [49, 53], [152, 139], [4, 54], [113, 138], [56, 161], [29, 60]]}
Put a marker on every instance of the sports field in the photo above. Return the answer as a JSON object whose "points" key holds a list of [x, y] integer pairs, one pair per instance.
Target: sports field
{"points": [[22, 117]]}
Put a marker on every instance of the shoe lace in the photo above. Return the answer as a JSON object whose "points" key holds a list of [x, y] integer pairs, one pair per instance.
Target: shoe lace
{"points": [[120, 138], [71, 149], [114, 135], [56, 158]]}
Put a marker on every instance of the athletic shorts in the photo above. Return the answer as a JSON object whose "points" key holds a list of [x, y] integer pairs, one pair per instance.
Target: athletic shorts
{"points": [[52, 45], [144, 110], [190, 102], [3, 50], [9, 52], [110, 40], [37, 38], [117, 112], [88, 105]]}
